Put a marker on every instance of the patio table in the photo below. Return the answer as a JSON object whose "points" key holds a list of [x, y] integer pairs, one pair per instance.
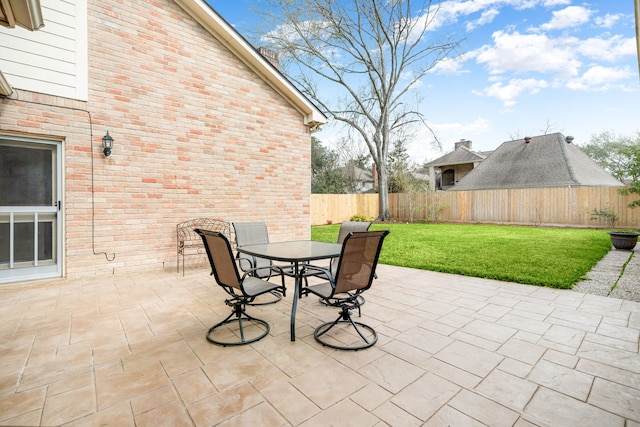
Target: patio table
{"points": [[295, 252]]}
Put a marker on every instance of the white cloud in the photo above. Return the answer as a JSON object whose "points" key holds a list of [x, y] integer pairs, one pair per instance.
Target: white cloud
{"points": [[508, 93], [485, 18], [610, 50], [571, 16], [551, 3], [416, 85], [455, 10], [609, 20], [527, 52], [409, 76], [451, 11], [292, 33], [599, 78], [450, 66], [564, 57]]}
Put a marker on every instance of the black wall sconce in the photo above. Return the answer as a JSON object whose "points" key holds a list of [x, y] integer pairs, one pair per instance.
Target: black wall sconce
{"points": [[107, 143]]}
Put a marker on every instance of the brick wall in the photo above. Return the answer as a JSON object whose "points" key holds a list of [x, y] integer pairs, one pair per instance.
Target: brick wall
{"points": [[196, 134]]}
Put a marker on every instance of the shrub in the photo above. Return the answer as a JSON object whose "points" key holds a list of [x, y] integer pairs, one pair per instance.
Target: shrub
{"points": [[361, 218], [605, 214]]}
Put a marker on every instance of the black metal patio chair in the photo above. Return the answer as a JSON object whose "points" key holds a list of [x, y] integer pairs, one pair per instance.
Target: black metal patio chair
{"points": [[243, 291], [353, 276], [255, 233], [345, 228]]}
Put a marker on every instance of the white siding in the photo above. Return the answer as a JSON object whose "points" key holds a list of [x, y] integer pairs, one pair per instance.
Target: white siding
{"points": [[52, 60]]}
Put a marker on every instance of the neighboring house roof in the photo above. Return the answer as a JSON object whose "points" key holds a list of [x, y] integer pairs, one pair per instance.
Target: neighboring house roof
{"points": [[460, 156], [228, 36], [545, 161], [419, 174], [357, 175], [362, 175]]}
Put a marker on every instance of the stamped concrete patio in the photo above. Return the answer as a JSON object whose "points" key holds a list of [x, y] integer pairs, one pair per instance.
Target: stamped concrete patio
{"points": [[130, 350]]}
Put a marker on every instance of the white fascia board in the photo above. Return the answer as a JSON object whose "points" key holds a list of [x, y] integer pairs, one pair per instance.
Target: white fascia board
{"points": [[5, 87], [636, 8], [27, 13], [227, 35], [82, 51]]}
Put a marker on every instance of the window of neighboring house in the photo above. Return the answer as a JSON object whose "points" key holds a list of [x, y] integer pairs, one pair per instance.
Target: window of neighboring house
{"points": [[448, 178]]}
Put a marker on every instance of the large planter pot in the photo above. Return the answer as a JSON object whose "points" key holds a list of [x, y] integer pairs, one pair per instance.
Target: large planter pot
{"points": [[623, 239]]}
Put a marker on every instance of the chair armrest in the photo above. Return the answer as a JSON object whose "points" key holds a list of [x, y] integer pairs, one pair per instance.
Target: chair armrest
{"points": [[251, 270], [244, 259], [314, 270]]}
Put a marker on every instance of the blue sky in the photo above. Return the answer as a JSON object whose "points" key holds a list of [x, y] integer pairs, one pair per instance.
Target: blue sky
{"points": [[529, 67]]}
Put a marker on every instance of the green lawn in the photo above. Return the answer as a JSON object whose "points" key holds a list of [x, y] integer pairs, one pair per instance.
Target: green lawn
{"points": [[555, 257]]}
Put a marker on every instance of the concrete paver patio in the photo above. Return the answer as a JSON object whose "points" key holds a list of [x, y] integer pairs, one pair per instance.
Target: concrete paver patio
{"points": [[130, 350]]}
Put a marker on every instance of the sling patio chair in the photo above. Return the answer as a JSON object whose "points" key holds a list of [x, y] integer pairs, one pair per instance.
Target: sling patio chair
{"points": [[345, 228], [353, 276], [348, 226], [243, 291], [256, 233]]}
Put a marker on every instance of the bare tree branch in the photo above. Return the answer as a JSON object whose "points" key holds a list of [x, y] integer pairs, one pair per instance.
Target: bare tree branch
{"points": [[369, 55]]}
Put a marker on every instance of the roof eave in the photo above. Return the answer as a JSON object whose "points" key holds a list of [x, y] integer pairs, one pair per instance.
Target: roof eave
{"points": [[25, 13], [453, 163], [538, 185], [228, 36], [636, 8], [5, 87]]}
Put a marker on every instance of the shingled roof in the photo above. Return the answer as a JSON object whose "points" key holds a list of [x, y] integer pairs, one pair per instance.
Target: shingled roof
{"points": [[540, 161], [459, 156]]}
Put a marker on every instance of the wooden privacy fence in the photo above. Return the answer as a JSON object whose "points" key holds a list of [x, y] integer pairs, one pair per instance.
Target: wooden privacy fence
{"points": [[559, 206], [336, 208]]}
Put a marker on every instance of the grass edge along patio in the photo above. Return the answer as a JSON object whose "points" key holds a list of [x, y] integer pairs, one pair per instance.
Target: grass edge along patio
{"points": [[553, 257]]}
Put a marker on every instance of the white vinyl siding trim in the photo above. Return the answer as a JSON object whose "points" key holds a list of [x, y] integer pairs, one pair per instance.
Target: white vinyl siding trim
{"points": [[52, 60], [82, 50]]}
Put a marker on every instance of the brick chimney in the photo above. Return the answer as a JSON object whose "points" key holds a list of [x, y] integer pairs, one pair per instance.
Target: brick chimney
{"points": [[463, 143], [270, 56]]}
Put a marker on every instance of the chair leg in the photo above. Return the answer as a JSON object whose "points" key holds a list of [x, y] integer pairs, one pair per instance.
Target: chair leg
{"points": [[337, 302], [277, 296], [244, 320], [345, 318]]}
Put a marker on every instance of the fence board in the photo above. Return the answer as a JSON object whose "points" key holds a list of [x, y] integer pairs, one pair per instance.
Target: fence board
{"points": [[336, 208], [559, 206]]}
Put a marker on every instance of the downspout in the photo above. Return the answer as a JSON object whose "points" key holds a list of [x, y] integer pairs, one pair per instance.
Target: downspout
{"points": [[636, 7]]}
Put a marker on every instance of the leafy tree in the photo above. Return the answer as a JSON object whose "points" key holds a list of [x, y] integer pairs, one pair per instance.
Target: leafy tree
{"points": [[401, 178], [614, 153], [369, 54], [325, 174], [363, 161], [633, 172], [620, 155], [398, 168]]}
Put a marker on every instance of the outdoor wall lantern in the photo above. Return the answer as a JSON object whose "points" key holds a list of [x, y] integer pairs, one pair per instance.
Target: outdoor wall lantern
{"points": [[107, 143]]}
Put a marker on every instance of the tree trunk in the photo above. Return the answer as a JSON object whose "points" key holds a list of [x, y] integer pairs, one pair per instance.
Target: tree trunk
{"points": [[383, 194]]}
